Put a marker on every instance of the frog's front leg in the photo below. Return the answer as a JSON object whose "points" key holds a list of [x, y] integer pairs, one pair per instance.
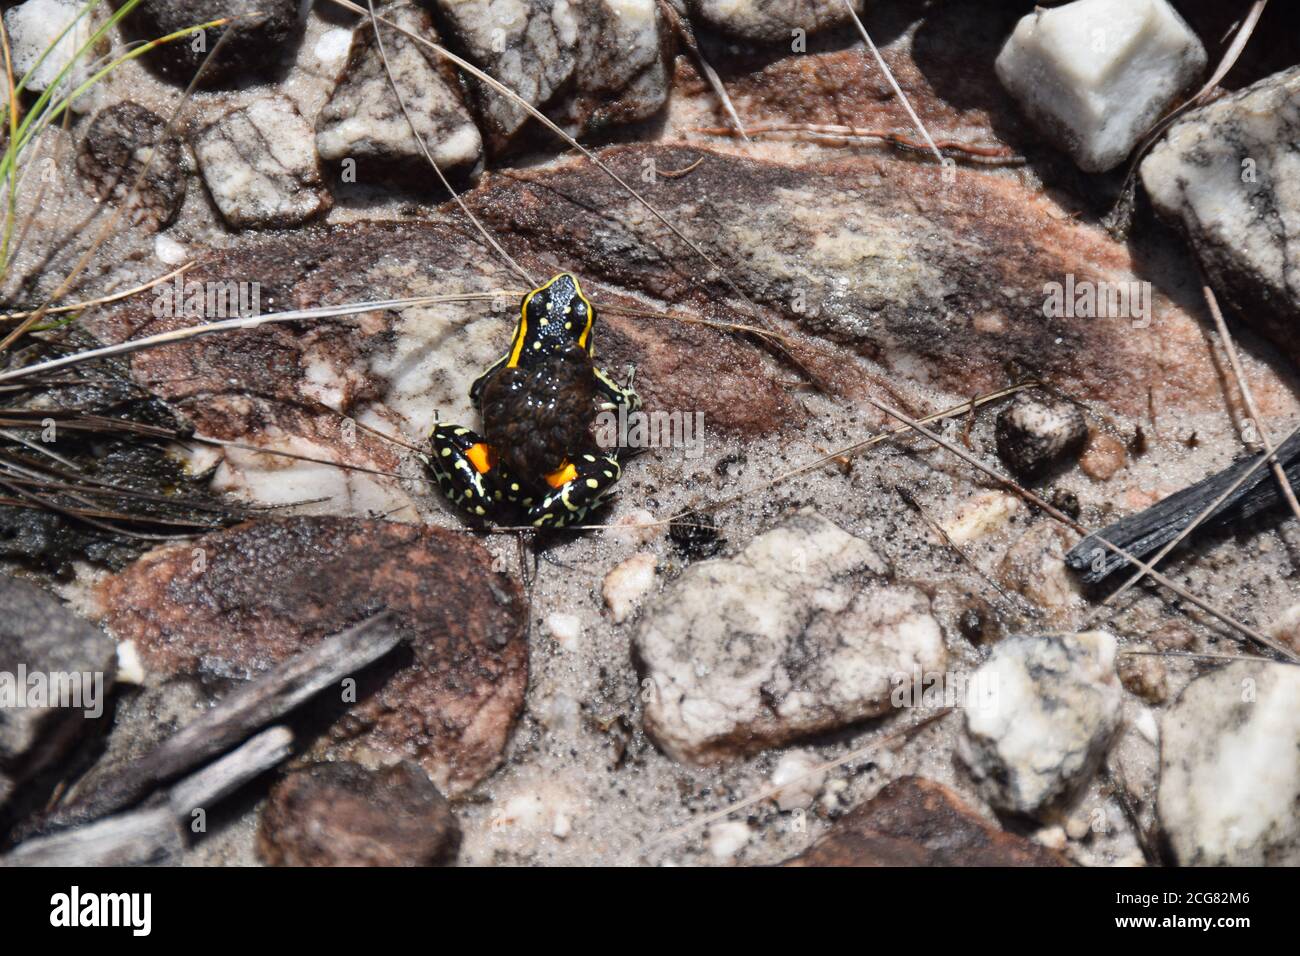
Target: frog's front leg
{"points": [[614, 395], [468, 474], [579, 488], [476, 389]]}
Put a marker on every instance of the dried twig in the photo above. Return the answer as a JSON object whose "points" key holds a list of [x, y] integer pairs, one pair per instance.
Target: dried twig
{"points": [[1050, 509], [1119, 219], [1251, 409], [252, 706], [153, 836]]}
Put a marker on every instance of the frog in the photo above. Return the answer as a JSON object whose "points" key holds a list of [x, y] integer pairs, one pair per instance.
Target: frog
{"points": [[536, 460]]}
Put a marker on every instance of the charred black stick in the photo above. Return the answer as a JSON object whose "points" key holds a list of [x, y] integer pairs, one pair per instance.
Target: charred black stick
{"points": [[1148, 531], [244, 712]]}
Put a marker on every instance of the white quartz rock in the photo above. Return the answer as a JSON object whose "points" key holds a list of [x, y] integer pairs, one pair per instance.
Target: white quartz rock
{"points": [[1230, 768], [627, 583], [33, 27], [798, 634], [1097, 74], [1040, 715], [259, 164], [800, 779]]}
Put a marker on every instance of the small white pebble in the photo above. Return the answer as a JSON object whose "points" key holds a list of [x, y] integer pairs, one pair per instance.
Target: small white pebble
{"points": [[727, 839], [627, 584], [169, 250], [981, 515], [1078, 826], [1051, 837], [565, 630], [562, 826], [130, 669], [333, 46], [800, 782], [560, 712], [636, 527], [1145, 723]]}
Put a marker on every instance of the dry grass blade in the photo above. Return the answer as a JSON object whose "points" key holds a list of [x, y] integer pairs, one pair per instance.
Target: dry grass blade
{"points": [[103, 300], [260, 450], [683, 30], [1192, 525], [898, 90], [424, 148], [1251, 409], [226, 325], [856, 447], [1119, 219], [986, 155], [1191, 656]]}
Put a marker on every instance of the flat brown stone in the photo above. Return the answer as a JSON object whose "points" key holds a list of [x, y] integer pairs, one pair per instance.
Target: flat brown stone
{"points": [[235, 603], [341, 814], [917, 822]]}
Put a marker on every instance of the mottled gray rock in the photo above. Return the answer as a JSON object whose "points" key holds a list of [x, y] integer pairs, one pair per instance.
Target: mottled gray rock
{"points": [[795, 635], [528, 45], [55, 670], [1040, 715], [120, 141], [1038, 432], [1097, 74], [770, 21], [342, 814], [1229, 173], [363, 120], [1230, 768], [256, 47], [585, 62], [260, 166], [624, 67]]}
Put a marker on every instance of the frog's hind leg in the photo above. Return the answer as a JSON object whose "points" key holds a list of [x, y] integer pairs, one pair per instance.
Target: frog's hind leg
{"points": [[466, 471], [579, 488]]}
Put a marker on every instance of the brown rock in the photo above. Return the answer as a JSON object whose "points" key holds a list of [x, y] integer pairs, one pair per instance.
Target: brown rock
{"points": [[1144, 675], [114, 152], [239, 601], [932, 291], [1103, 457], [917, 822], [341, 814]]}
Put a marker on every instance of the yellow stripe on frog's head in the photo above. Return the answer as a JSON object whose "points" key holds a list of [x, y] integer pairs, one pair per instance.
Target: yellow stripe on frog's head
{"points": [[521, 333]]}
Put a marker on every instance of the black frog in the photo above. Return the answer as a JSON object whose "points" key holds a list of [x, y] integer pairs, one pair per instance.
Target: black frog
{"points": [[536, 460]]}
